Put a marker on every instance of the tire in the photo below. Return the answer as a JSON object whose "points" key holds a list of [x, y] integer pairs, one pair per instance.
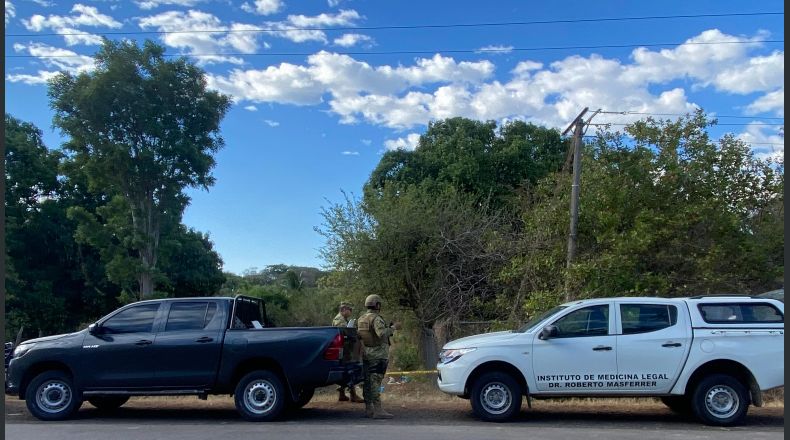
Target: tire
{"points": [[108, 403], [496, 397], [51, 396], [720, 400], [678, 404], [305, 395], [260, 396]]}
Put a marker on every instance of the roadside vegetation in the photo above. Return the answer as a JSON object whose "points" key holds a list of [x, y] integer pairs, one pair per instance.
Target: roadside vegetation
{"points": [[465, 234]]}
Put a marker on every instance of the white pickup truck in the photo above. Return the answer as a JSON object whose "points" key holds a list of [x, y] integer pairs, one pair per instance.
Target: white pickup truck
{"points": [[710, 356]]}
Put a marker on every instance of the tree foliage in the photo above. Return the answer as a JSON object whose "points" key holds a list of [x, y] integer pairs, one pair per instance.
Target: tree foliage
{"points": [[142, 129], [473, 224]]}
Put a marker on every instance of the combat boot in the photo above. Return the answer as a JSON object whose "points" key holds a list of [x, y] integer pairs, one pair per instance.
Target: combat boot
{"points": [[341, 395], [354, 397], [379, 413], [368, 410]]}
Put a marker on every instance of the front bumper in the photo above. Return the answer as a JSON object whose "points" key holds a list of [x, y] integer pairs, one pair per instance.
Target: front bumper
{"points": [[11, 381], [452, 377]]}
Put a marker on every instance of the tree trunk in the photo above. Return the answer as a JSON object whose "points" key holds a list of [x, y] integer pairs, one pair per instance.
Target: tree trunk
{"points": [[146, 281], [145, 220], [429, 352]]}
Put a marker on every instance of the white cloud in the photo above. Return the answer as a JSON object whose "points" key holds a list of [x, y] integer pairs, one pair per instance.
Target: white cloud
{"points": [[44, 3], [264, 7], [10, 11], [333, 3], [271, 123], [350, 153], [251, 108], [766, 141], [307, 25], [349, 40], [343, 77], [405, 96], [71, 62], [81, 16], [207, 42], [495, 49], [151, 4], [758, 74], [770, 102], [367, 142], [408, 143]]}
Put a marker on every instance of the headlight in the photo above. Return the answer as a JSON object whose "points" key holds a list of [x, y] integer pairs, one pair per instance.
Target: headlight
{"points": [[447, 356], [22, 349]]}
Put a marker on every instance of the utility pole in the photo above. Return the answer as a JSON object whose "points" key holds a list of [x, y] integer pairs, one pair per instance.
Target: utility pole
{"points": [[578, 131]]}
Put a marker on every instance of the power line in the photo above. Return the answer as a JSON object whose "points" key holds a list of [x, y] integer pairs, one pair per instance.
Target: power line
{"points": [[417, 26], [715, 140], [426, 52], [684, 114], [729, 123]]}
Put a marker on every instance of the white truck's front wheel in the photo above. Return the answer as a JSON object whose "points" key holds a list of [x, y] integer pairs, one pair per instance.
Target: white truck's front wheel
{"points": [[720, 400], [495, 397]]}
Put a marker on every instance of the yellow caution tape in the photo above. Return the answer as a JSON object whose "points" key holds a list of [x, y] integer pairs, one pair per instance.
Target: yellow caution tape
{"points": [[406, 373]]}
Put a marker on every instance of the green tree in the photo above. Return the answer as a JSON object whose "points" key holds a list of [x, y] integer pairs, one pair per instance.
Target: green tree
{"points": [[142, 129]]}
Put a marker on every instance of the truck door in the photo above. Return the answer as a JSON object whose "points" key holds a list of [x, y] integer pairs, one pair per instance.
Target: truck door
{"points": [[583, 350], [652, 346], [187, 349], [118, 354]]}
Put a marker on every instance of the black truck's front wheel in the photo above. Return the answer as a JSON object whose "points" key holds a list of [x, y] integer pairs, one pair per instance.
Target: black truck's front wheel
{"points": [[51, 396], [260, 396]]}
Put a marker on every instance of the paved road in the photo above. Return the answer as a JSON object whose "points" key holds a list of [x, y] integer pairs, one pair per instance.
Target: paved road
{"points": [[203, 420]]}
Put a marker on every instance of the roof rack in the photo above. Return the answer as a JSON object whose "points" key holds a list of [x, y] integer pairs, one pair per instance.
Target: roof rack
{"points": [[723, 295]]}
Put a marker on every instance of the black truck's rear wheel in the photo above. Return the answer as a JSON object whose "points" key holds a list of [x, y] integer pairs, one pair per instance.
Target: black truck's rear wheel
{"points": [[51, 396], [260, 396], [108, 403]]}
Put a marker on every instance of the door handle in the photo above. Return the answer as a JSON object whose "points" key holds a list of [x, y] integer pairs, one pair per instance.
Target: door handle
{"points": [[672, 344], [204, 339], [602, 348], [143, 342]]}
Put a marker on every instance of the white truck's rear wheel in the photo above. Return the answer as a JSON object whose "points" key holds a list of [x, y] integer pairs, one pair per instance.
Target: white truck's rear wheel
{"points": [[720, 400]]}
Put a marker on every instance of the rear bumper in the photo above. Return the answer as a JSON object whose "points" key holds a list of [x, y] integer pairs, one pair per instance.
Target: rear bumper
{"points": [[347, 374]]}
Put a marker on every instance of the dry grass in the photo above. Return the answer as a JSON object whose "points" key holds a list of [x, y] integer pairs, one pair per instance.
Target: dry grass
{"points": [[424, 390]]}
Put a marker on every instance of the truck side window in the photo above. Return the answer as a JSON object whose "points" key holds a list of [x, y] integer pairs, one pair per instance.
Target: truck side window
{"points": [[643, 318], [740, 313], [189, 316], [137, 319], [589, 321]]}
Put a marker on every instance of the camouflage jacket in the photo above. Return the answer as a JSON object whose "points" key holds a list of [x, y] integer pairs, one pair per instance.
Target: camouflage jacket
{"points": [[339, 321], [383, 331]]}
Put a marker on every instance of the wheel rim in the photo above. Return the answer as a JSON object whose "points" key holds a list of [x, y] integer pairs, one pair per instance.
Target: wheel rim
{"points": [[496, 398], [722, 401], [53, 396], [260, 397]]}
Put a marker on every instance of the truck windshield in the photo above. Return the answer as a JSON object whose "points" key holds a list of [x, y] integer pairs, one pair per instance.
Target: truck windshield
{"points": [[538, 319]]}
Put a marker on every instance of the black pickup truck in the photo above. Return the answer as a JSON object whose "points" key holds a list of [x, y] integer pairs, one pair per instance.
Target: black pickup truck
{"points": [[186, 346]]}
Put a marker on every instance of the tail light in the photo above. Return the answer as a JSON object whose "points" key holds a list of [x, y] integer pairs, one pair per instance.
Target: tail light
{"points": [[335, 350]]}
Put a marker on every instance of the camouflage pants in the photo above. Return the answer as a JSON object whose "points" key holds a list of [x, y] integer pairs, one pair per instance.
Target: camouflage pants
{"points": [[373, 373]]}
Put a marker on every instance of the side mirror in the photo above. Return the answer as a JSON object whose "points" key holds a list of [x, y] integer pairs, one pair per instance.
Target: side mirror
{"points": [[94, 329], [548, 332]]}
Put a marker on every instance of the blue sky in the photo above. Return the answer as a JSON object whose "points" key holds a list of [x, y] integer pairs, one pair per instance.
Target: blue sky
{"points": [[313, 121]]}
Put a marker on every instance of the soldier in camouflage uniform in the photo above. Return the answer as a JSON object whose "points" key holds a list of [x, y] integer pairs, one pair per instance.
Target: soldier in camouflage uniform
{"points": [[374, 333], [342, 320]]}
